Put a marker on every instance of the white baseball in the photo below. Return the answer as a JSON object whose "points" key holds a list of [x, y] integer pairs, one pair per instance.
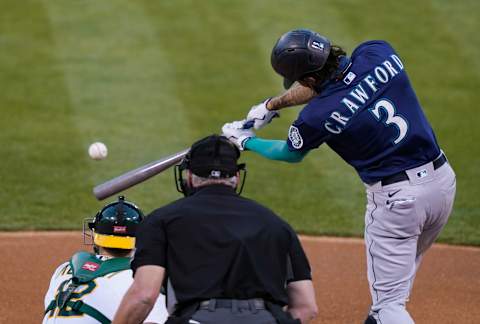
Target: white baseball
{"points": [[98, 151]]}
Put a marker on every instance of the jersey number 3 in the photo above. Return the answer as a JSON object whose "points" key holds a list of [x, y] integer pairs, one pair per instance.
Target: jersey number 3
{"points": [[389, 109]]}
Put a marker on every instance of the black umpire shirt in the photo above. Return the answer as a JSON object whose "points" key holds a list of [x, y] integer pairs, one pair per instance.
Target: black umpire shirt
{"points": [[217, 244]]}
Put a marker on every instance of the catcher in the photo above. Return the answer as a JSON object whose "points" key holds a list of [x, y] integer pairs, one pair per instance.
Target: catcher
{"points": [[89, 287]]}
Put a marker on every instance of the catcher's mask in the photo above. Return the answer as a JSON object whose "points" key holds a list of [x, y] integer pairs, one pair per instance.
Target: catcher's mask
{"points": [[114, 226], [213, 157]]}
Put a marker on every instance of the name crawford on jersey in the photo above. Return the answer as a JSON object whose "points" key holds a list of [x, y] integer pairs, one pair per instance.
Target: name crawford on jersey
{"points": [[378, 77]]}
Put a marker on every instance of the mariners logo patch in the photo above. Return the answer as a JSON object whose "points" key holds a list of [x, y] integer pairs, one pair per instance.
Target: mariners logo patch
{"points": [[295, 137], [119, 229], [90, 266]]}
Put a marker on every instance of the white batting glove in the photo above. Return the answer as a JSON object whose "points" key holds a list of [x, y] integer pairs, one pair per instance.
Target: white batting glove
{"points": [[237, 134], [259, 115]]}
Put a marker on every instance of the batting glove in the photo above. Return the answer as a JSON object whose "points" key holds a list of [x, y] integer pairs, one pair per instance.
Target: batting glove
{"points": [[237, 134], [259, 115]]}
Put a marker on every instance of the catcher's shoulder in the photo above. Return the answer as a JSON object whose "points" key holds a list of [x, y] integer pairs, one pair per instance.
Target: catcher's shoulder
{"points": [[62, 270]]}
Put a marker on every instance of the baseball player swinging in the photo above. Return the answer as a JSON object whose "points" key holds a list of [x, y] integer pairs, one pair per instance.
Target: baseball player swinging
{"points": [[89, 287], [365, 109]]}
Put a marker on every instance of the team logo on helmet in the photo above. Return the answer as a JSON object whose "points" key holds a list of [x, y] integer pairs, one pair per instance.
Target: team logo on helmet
{"points": [[317, 45], [295, 137], [119, 229]]}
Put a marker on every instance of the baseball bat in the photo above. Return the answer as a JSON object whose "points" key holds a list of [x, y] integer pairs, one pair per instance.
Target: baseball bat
{"points": [[136, 176]]}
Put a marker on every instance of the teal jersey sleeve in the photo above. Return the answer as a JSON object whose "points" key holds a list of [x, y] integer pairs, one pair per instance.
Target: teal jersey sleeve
{"points": [[274, 150]]}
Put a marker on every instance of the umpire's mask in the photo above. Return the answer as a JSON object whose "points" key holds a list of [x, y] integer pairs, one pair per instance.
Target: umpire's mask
{"points": [[212, 157]]}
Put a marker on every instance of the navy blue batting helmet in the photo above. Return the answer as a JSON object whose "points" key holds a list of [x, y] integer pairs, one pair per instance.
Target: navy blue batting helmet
{"points": [[298, 53]]}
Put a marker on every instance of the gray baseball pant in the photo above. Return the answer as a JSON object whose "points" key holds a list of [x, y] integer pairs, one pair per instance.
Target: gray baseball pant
{"points": [[401, 222]]}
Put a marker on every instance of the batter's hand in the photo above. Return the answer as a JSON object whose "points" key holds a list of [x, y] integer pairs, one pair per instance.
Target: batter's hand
{"points": [[260, 116], [237, 134]]}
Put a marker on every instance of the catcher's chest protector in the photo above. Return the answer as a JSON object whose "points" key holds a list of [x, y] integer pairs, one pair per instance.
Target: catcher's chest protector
{"points": [[85, 268]]}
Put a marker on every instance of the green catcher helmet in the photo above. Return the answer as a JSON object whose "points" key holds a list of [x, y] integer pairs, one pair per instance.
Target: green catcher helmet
{"points": [[114, 226]]}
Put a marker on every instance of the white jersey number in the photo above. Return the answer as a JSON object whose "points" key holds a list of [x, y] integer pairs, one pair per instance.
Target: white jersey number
{"points": [[388, 107]]}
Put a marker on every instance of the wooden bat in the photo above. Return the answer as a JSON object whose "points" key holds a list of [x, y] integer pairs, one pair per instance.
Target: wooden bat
{"points": [[136, 176]]}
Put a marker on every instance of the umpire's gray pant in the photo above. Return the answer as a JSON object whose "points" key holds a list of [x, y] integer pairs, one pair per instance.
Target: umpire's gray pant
{"points": [[235, 312]]}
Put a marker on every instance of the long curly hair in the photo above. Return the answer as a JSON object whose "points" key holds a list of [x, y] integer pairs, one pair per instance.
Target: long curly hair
{"points": [[330, 67]]}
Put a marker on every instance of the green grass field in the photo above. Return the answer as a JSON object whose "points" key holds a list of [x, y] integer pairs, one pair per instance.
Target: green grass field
{"points": [[150, 77]]}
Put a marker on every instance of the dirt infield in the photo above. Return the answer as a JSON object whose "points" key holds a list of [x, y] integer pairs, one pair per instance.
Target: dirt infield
{"points": [[447, 288]]}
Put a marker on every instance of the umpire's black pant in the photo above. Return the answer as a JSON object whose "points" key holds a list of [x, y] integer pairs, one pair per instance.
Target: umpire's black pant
{"points": [[232, 311]]}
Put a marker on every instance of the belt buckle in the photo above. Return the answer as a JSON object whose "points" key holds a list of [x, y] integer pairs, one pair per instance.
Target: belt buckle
{"points": [[209, 304], [212, 304], [259, 304]]}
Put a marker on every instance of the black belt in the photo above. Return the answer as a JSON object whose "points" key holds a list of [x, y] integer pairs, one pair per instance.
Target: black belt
{"points": [[254, 303], [402, 175]]}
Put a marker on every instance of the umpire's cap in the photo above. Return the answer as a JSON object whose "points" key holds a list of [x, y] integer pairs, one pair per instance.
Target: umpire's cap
{"points": [[115, 225], [299, 52], [213, 157]]}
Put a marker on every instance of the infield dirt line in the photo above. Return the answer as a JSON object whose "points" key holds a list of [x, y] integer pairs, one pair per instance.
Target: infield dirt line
{"points": [[305, 238], [447, 288]]}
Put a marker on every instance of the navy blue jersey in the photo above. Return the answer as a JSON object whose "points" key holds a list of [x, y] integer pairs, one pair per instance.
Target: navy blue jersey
{"points": [[371, 117]]}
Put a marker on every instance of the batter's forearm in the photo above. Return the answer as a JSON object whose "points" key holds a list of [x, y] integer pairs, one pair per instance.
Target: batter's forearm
{"points": [[296, 95], [274, 150]]}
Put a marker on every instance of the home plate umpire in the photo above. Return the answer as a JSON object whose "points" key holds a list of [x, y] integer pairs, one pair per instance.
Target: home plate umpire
{"points": [[228, 258]]}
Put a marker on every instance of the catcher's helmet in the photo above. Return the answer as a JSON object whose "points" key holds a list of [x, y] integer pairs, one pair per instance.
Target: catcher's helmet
{"points": [[299, 52], [114, 226]]}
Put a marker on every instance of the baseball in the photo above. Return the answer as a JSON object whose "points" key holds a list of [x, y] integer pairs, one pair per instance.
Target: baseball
{"points": [[98, 151]]}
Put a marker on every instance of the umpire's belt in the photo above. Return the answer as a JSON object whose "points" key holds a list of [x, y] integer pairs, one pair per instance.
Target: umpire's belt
{"points": [[254, 303], [402, 175]]}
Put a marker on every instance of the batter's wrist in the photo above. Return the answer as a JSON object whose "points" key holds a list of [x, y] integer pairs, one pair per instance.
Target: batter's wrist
{"points": [[269, 105]]}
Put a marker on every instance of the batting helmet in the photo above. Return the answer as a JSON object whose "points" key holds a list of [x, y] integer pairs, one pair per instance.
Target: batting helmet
{"points": [[298, 53], [114, 226]]}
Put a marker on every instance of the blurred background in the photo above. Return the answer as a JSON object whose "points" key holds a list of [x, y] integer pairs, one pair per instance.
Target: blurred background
{"points": [[148, 78]]}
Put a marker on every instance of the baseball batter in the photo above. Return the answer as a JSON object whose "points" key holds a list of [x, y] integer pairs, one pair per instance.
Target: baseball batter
{"points": [[365, 109], [89, 287]]}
